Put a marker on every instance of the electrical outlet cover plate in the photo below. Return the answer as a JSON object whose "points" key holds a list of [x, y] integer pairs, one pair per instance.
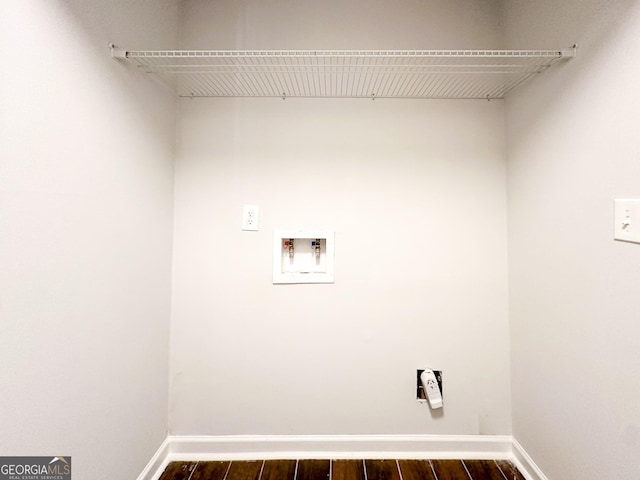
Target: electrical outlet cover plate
{"points": [[627, 220], [250, 214]]}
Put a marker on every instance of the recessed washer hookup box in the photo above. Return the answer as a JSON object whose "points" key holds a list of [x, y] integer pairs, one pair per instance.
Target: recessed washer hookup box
{"points": [[303, 256]]}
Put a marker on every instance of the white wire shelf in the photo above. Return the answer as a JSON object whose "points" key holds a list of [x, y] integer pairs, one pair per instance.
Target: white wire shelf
{"points": [[467, 74]]}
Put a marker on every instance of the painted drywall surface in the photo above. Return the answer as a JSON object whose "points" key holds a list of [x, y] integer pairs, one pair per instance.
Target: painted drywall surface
{"points": [[415, 194], [85, 235], [335, 24], [572, 148]]}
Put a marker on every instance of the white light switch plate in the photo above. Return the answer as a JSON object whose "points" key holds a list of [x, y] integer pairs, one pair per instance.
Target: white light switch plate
{"points": [[627, 220]]}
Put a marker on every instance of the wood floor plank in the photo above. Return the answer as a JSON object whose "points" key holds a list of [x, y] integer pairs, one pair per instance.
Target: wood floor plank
{"points": [[279, 470], [178, 471], [244, 470], [347, 470], [313, 469], [210, 470], [483, 470], [416, 470], [450, 470], [509, 469], [344, 470], [382, 470]]}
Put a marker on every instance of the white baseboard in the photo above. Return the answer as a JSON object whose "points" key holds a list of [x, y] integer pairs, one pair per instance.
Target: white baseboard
{"points": [[157, 464], [525, 463], [251, 447], [258, 447]]}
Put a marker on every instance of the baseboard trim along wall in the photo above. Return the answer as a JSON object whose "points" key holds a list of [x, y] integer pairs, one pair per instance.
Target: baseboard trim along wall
{"points": [[252, 447], [525, 463], [158, 462]]}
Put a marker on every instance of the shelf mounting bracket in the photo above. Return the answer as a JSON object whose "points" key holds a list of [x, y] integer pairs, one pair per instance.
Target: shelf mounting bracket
{"points": [[118, 53]]}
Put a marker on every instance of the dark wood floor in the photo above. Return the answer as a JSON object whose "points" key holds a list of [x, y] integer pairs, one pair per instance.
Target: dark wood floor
{"points": [[343, 470]]}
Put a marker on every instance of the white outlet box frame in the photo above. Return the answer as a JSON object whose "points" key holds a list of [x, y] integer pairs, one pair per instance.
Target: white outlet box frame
{"points": [[281, 276]]}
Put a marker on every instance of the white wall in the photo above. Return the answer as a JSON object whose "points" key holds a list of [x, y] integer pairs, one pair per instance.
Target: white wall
{"points": [[572, 148], [415, 192], [332, 24], [85, 234]]}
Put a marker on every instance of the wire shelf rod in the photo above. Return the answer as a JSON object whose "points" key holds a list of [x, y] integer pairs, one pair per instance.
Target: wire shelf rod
{"points": [[370, 69], [560, 53]]}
